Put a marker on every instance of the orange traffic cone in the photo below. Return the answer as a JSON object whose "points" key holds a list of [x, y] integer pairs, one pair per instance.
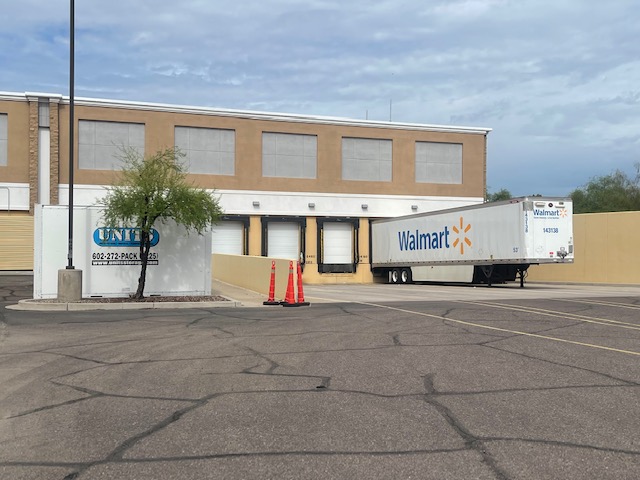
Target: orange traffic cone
{"points": [[272, 287], [289, 298], [301, 301]]}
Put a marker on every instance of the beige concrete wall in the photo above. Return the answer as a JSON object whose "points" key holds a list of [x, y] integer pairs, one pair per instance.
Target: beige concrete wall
{"points": [[606, 251], [16, 241], [253, 273], [18, 131], [159, 133]]}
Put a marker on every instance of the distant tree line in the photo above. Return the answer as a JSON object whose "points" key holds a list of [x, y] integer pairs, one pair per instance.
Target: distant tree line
{"points": [[616, 192], [502, 194]]}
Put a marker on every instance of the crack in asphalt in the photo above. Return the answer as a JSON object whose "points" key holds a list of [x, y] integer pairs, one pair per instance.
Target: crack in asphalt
{"points": [[429, 394], [560, 364], [304, 453], [471, 441]]}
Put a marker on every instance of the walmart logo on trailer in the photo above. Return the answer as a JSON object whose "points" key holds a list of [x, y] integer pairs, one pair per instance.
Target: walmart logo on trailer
{"points": [[122, 237], [438, 239], [556, 213], [424, 241]]}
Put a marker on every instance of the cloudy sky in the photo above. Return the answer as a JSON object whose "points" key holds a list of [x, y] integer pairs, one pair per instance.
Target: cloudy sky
{"points": [[558, 81]]}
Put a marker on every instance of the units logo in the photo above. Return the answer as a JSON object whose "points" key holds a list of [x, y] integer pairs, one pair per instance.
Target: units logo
{"points": [[462, 237], [122, 237]]}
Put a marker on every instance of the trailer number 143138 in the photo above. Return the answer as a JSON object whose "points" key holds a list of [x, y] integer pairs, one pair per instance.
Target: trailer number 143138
{"points": [[550, 230]]}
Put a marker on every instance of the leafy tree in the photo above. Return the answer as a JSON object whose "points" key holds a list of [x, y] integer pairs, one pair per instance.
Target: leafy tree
{"points": [[609, 193], [502, 194], [155, 189]]}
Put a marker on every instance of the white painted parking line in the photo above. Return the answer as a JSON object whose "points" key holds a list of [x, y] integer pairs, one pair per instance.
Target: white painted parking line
{"points": [[558, 314], [499, 329]]}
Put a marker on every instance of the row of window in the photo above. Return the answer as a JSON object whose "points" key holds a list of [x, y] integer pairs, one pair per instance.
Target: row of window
{"points": [[212, 151]]}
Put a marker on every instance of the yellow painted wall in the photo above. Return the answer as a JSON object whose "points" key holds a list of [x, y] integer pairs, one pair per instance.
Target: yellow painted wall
{"points": [[255, 236], [16, 241], [606, 251], [253, 273]]}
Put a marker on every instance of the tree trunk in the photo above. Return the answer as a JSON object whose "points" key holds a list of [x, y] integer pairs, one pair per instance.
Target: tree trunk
{"points": [[145, 246]]}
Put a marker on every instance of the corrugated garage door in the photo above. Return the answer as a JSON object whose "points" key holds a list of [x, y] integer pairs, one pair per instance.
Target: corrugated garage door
{"points": [[337, 243], [228, 237], [16, 242], [283, 240]]}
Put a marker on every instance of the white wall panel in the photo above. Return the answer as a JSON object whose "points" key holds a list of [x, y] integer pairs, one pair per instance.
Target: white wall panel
{"points": [[100, 143], [289, 155], [207, 150], [44, 166], [438, 162], [367, 159]]}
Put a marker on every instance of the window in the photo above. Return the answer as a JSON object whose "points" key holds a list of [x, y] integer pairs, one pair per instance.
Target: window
{"points": [[100, 143], [366, 159], [207, 150], [3, 139], [289, 155], [43, 114], [438, 162]]}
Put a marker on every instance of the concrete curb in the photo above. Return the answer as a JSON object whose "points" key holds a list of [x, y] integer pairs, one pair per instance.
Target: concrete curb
{"points": [[42, 306]]}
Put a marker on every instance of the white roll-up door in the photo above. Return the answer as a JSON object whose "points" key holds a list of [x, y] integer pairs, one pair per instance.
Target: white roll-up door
{"points": [[337, 243], [228, 237], [283, 240]]}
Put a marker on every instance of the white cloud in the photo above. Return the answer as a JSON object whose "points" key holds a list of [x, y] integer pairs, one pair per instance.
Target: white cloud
{"points": [[557, 81]]}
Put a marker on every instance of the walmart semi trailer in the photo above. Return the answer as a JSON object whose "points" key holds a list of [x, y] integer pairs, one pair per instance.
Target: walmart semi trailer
{"points": [[486, 243]]}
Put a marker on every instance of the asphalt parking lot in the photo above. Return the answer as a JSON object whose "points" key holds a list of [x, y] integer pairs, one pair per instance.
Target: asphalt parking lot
{"points": [[379, 381]]}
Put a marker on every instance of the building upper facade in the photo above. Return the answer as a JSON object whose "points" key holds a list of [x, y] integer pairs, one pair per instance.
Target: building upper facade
{"points": [[253, 159]]}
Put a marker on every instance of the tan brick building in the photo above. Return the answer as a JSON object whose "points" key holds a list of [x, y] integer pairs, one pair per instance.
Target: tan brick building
{"points": [[291, 186]]}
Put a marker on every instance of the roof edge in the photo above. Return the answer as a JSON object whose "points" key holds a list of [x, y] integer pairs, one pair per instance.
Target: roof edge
{"points": [[248, 114]]}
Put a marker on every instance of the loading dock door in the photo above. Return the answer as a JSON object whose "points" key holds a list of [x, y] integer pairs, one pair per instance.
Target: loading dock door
{"points": [[283, 240], [337, 243], [228, 237]]}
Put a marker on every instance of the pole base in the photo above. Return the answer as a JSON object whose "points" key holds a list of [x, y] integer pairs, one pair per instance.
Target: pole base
{"points": [[69, 285]]}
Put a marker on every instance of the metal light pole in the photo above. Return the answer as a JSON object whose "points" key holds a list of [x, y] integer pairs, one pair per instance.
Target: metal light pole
{"points": [[69, 278], [71, 128]]}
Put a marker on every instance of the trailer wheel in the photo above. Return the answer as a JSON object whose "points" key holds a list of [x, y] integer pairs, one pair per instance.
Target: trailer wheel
{"points": [[405, 275], [394, 276]]}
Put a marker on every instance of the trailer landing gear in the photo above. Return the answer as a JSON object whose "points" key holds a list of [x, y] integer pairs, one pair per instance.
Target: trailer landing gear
{"points": [[522, 274], [487, 270], [501, 273]]}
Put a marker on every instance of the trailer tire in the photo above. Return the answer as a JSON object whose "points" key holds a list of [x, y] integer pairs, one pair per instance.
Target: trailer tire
{"points": [[395, 276], [405, 275]]}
